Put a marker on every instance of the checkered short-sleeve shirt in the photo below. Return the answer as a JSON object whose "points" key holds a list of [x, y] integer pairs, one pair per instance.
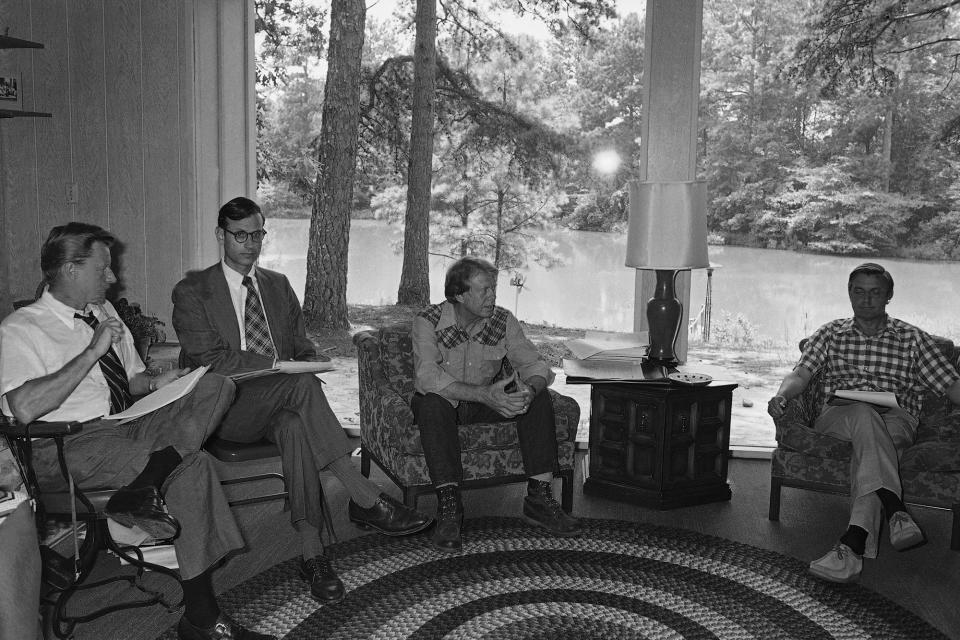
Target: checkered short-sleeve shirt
{"points": [[901, 358]]}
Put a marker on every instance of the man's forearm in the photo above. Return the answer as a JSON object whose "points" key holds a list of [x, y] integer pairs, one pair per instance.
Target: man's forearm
{"points": [[537, 383], [467, 392], [40, 396]]}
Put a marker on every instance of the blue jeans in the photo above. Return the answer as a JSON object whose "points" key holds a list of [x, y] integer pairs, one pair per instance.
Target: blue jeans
{"points": [[438, 421]]}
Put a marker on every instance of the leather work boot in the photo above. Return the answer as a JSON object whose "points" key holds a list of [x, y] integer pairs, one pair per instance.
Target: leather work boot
{"points": [[446, 535], [542, 510]]}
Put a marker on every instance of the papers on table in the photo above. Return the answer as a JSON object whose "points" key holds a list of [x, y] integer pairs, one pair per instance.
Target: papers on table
{"points": [[596, 345], [285, 366], [881, 398], [588, 371], [161, 397]]}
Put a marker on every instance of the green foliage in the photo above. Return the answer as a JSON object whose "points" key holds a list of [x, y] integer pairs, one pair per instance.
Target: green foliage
{"points": [[141, 326]]}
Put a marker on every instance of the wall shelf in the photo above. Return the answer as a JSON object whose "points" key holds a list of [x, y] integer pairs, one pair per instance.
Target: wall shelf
{"points": [[7, 42], [11, 113]]}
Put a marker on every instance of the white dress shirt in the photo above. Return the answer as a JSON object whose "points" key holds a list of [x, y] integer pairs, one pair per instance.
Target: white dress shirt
{"points": [[41, 338]]}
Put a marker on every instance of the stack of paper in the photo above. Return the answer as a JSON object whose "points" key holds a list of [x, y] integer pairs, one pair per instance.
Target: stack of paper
{"points": [[605, 345]]}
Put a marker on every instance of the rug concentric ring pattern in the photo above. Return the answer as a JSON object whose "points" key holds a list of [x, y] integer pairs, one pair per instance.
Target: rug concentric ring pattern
{"points": [[617, 580]]}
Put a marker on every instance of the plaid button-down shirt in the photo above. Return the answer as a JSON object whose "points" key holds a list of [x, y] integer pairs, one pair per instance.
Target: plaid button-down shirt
{"points": [[901, 358], [444, 353]]}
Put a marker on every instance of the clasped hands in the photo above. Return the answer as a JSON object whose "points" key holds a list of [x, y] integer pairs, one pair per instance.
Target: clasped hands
{"points": [[510, 403]]}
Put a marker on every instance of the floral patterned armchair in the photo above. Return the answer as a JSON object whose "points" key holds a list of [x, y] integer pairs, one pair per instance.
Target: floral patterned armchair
{"points": [[929, 469], [490, 452]]}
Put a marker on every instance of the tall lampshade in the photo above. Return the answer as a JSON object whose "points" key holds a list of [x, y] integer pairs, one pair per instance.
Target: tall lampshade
{"points": [[667, 233]]}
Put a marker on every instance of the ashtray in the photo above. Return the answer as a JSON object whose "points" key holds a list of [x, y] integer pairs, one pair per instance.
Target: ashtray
{"points": [[692, 379]]}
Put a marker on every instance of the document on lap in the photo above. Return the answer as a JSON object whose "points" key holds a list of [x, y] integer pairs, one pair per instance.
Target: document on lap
{"points": [[285, 366], [882, 398], [161, 397]]}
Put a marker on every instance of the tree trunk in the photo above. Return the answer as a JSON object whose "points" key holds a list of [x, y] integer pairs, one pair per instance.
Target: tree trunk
{"points": [[415, 275], [325, 298]]}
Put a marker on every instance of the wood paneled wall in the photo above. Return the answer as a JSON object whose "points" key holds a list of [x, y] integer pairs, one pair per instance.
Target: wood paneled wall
{"points": [[147, 131]]}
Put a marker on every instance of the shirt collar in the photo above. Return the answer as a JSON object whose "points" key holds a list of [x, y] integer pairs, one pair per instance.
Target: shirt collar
{"points": [[448, 318], [65, 313], [850, 326], [234, 277]]}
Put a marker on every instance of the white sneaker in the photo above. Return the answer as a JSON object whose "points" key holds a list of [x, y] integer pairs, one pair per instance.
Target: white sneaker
{"points": [[840, 564], [904, 532]]}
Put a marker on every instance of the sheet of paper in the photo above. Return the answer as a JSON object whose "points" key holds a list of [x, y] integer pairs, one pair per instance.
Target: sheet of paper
{"points": [[161, 397], [609, 344], [594, 370], [882, 398]]}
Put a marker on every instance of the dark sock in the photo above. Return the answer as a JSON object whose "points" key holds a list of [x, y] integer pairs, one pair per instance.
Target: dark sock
{"points": [[891, 502], [855, 538], [200, 605], [160, 465]]}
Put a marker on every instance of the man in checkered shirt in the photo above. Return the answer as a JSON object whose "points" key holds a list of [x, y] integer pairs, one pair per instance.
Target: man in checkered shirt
{"points": [[870, 352], [462, 348]]}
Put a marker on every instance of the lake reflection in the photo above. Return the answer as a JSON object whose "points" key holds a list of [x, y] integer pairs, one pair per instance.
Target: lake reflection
{"points": [[786, 295]]}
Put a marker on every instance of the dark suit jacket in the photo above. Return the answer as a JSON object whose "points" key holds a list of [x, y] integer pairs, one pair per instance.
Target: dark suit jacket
{"points": [[207, 328]]}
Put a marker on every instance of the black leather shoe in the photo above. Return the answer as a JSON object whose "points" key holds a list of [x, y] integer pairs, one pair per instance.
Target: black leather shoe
{"points": [[389, 516], [223, 629], [143, 507], [325, 584], [446, 535]]}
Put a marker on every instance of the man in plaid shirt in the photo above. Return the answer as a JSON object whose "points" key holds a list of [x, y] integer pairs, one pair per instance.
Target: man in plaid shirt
{"points": [[460, 350], [870, 352]]}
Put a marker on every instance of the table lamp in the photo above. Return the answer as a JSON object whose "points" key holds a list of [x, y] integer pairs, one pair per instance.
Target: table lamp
{"points": [[667, 233]]}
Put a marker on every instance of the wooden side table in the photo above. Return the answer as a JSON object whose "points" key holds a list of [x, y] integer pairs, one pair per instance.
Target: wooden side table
{"points": [[659, 445]]}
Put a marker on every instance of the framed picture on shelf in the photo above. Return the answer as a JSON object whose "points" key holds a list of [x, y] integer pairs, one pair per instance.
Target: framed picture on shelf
{"points": [[11, 90]]}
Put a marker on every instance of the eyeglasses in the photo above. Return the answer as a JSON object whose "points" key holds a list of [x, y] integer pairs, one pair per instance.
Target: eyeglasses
{"points": [[241, 236]]}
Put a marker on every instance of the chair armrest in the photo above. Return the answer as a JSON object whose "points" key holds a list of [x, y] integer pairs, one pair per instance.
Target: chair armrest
{"points": [[13, 429]]}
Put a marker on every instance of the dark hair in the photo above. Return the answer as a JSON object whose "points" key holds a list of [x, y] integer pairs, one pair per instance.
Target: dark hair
{"points": [[460, 273], [71, 242], [238, 209], [872, 269]]}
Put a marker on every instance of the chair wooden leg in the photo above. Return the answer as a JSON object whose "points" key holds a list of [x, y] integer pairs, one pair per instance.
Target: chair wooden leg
{"points": [[566, 491], [364, 462], [955, 528], [775, 486]]}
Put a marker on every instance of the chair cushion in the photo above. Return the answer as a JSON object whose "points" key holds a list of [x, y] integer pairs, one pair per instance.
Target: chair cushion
{"points": [[799, 437]]}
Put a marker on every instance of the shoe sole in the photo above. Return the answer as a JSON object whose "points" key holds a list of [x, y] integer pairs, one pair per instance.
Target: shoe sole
{"points": [[306, 578], [832, 578], [393, 534], [562, 534], [157, 530]]}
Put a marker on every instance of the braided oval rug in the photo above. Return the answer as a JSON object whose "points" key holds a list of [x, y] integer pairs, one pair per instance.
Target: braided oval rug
{"points": [[618, 580]]}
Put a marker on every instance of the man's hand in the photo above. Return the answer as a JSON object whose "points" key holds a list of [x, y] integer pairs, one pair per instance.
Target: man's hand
{"points": [[108, 332], [776, 406], [507, 404], [167, 377]]}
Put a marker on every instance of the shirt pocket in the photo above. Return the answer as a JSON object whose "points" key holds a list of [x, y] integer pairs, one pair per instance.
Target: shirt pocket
{"points": [[492, 362]]}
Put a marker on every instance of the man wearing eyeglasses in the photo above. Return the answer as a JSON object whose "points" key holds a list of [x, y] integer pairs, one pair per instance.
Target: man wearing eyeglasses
{"points": [[237, 317]]}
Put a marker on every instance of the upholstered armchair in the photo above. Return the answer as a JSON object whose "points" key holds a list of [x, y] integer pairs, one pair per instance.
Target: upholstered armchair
{"points": [[388, 436], [929, 469]]}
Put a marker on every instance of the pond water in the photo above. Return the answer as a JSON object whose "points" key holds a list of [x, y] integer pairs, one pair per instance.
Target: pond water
{"points": [[782, 295]]}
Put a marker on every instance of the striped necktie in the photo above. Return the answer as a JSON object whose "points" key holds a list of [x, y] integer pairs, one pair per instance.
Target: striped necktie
{"points": [[255, 323], [113, 371]]}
